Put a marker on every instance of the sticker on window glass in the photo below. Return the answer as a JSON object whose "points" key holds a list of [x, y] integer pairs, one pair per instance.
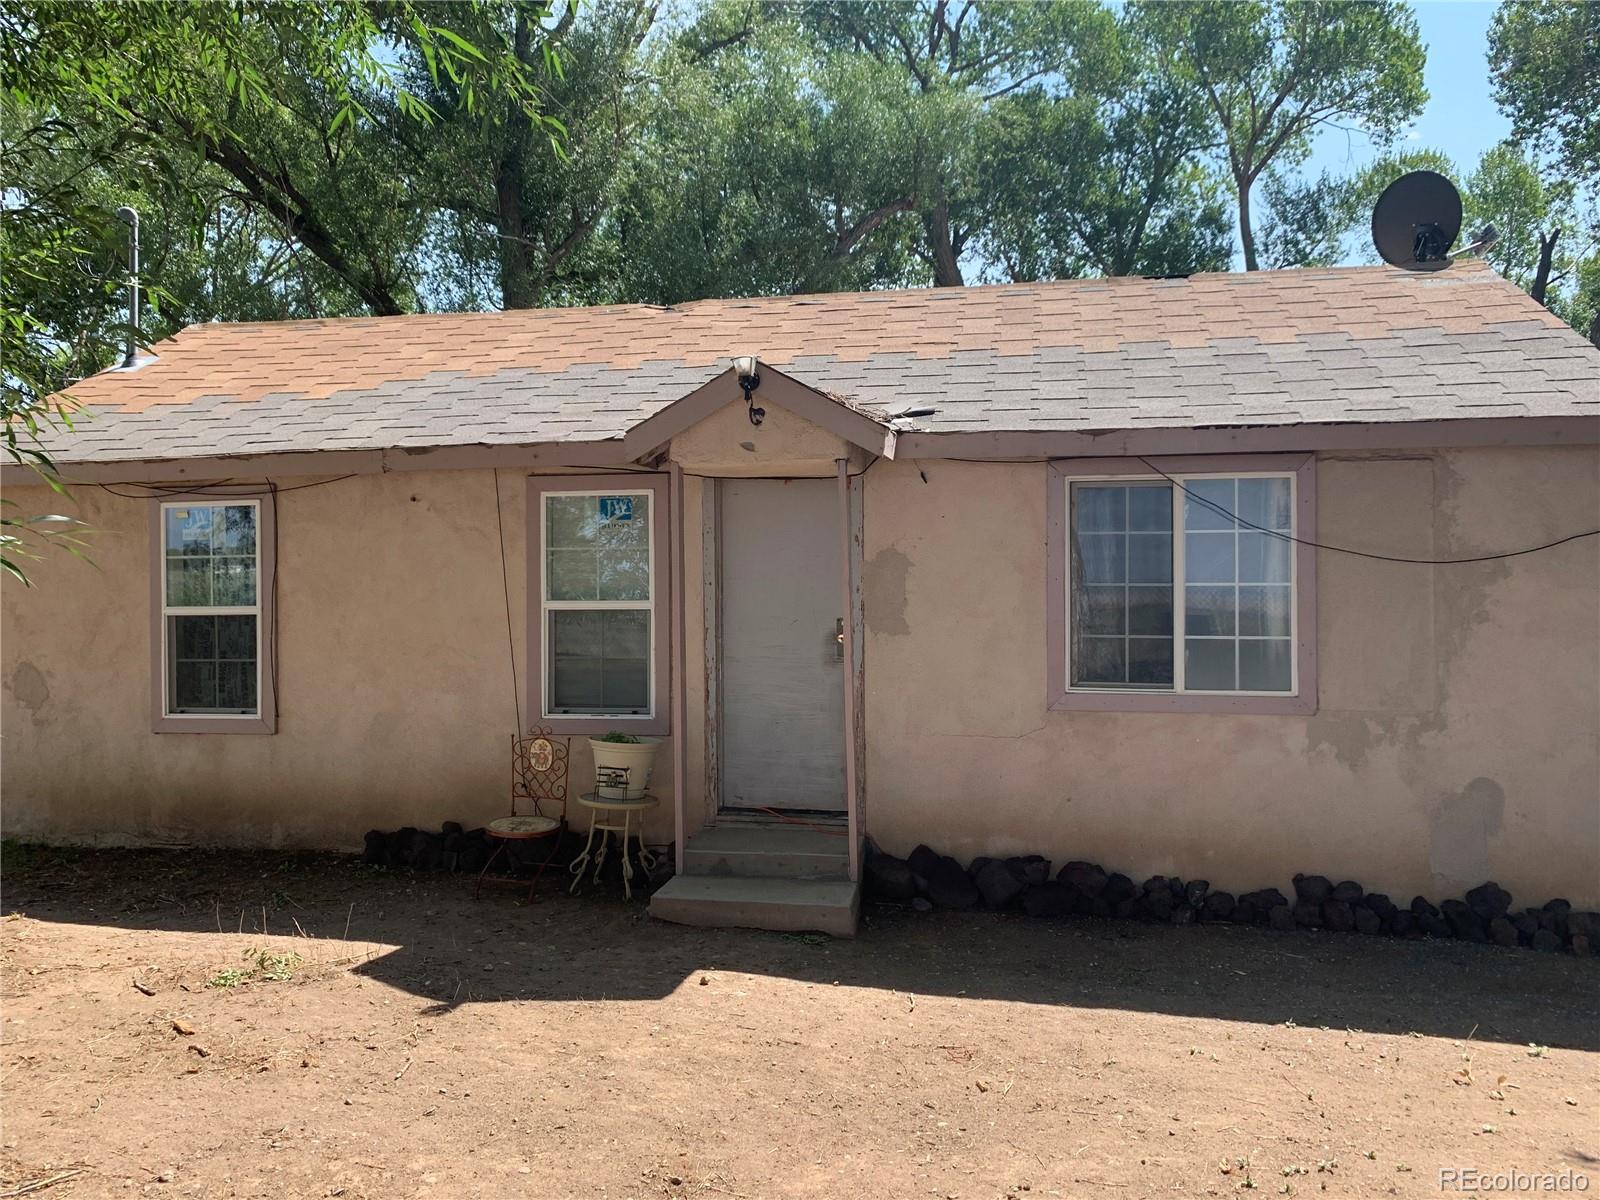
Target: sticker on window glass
{"points": [[196, 523], [616, 508]]}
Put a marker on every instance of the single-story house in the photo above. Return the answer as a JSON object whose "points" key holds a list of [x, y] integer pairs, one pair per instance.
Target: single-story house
{"points": [[1139, 571]]}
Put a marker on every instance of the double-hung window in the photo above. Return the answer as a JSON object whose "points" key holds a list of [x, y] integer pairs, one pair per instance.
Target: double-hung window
{"points": [[1184, 588], [211, 645], [599, 625]]}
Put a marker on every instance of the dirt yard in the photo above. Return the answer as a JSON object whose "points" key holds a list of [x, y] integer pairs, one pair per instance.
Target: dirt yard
{"points": [[181, 1024]]}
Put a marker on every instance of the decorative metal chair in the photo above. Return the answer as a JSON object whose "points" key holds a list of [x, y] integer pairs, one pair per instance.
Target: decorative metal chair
{"points": [[538, 778]]}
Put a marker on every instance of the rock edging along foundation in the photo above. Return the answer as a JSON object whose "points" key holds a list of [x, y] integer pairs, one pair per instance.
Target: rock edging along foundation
{"points": [[927, 878]]}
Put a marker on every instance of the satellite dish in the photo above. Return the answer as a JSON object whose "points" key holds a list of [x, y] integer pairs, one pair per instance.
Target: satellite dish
{"points": [[1416, 221]]}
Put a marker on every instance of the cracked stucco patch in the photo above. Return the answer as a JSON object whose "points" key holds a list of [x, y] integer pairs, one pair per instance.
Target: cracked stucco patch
{"points": [[883, 585], [30, 687]]}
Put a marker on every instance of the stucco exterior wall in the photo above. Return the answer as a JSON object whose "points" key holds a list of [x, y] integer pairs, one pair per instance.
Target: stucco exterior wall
{"points": [[1457, 737], [394, 685], [394, 682]]}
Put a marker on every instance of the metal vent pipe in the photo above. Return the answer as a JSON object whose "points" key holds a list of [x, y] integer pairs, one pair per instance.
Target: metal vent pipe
{"points": [[131, 219]]}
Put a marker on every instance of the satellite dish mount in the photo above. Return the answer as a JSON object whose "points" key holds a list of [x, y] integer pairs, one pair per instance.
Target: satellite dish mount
{"points": [[1430, 244]]}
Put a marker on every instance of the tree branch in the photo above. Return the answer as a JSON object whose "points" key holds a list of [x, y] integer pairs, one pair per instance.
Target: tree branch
{"points": [[847, 240], [699, 54], [571, 242], [297, 216]]}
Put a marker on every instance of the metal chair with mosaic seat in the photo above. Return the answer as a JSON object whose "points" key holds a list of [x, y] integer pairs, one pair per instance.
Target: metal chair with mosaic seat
{"points": [[538, 778]]}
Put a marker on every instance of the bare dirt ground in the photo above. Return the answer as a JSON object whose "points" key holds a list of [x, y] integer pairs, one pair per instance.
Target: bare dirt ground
{"points": [[186, 1024]]}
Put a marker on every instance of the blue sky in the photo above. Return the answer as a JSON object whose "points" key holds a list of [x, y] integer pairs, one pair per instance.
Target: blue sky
{"points": [[1460, 118]]}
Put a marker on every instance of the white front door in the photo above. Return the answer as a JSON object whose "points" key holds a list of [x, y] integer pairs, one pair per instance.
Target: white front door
{"points": [[782, 666]]}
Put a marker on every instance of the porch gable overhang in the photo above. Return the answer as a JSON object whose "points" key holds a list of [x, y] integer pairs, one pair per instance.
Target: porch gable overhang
{"points": [[842, 418]]}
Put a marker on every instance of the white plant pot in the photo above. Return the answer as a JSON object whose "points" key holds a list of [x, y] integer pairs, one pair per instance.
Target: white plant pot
{"points": [[638, 759]]}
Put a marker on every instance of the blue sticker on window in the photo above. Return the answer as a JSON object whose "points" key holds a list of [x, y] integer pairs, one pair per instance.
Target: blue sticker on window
{"points": [[616, 508]]}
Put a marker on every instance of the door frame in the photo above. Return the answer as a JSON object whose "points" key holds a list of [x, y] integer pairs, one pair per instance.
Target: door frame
{"points": [[711, 584]]}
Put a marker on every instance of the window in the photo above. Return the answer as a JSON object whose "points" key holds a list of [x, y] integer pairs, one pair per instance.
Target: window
{"points": [[599, 636], [212, 583], [1184, 592]]}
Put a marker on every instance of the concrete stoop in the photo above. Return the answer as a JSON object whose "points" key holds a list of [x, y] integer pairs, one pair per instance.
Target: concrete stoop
{"points": [[763, 876], [823, 905]]}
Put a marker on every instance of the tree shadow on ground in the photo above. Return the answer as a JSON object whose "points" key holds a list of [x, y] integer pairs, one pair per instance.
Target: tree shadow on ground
{"points": [[425, 935]]}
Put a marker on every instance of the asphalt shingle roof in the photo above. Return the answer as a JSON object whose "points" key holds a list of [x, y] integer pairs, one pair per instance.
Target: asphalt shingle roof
{"points": [[1365, 344]]}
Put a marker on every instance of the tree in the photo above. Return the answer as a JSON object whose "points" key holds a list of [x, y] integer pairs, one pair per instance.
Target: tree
{"points": [[1544, 57], [1275, 72], [518, 209], [939, 75], [1108, 181], [1543, 241], [1306, 219], [1584, 309], [275, 97], [765, 168], [720, 157], [838, 144]]}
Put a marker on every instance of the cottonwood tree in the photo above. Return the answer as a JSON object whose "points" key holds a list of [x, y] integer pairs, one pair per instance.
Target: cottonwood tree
{"points": [[718, 157], [1109, 181], [1544, 57], [841, 145], [519, 209], [941, 76], [756, 166], [1276, 72], [1546, 240], [271, 96]]}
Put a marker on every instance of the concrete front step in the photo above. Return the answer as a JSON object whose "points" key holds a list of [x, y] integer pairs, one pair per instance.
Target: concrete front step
{"points": [[722, 901], [767, 851]]}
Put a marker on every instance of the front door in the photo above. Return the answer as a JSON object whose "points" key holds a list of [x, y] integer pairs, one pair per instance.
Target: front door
{"points": [[782, 664]]}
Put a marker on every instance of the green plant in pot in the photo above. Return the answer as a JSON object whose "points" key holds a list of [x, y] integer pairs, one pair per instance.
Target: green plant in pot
{"points": [[634, 757]]}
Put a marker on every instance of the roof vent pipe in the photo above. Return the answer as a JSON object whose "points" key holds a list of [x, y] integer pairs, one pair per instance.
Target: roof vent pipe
{"points": [[131, 219]]}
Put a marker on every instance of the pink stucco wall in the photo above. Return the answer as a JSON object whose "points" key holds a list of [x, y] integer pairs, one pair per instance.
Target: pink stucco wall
{"points": [[1456, 738]]}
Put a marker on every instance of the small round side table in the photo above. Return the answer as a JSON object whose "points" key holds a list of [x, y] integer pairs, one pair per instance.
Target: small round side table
{"points": [[607, 817]]}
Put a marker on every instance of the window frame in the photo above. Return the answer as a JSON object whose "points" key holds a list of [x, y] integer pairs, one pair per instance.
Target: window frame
{"points": [[657, 721], [1061, 696], [265, 719]]}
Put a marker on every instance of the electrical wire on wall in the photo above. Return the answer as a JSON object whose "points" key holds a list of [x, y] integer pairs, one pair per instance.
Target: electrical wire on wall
{"points": [[157, 491], [1394, 558], [505, 587], [1289, 537], [616, 469], [272, 659]]}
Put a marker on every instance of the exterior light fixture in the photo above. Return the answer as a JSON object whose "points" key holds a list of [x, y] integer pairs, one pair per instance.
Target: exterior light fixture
{"points": [[744, 365]]}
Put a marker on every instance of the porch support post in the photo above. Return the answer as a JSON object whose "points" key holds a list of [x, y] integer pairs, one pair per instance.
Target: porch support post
{"points": [[680, 733], [847, 599]]}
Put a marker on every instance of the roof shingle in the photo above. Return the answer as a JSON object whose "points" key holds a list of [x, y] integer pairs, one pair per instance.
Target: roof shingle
{"points": [[1268, 348]]}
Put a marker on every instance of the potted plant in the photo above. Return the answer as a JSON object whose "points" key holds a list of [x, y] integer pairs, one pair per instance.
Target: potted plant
{"points": [[633, 757]]}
